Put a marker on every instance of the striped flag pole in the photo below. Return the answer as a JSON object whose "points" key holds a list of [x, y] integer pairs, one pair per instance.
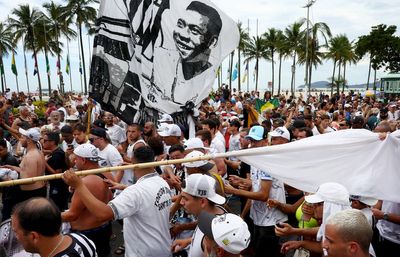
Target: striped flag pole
{"points": [[80, 68], [26, 72]]}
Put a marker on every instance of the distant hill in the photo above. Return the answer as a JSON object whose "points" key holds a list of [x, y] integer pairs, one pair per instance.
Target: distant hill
{"points": [[325, 84]]}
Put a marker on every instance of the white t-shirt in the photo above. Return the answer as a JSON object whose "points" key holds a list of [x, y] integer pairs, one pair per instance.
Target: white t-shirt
{"points": [[117, 135], [260, 213], [387, 229], [195, 245], [234, 145], [110, 157], [315, 131], [217, 145], [64, 145], [128, 177], [144, 207], [220, 137]]}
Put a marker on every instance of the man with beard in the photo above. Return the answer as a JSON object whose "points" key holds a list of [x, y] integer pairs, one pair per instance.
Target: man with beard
{"points": [[149, 130], [115, 132]]}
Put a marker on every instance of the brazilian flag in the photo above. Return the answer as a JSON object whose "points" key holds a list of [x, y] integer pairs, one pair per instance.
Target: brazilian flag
{"points": [[262, 105]]}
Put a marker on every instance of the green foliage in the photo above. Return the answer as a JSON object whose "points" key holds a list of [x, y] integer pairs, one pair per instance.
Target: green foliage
{"points": [[40, 109], [383, 47]]}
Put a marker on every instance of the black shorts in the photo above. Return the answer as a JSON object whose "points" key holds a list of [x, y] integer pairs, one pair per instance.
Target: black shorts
{"points": [[24, 195], [100, 237]]}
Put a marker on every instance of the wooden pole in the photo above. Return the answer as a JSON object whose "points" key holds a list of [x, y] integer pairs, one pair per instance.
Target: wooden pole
{"points": [[25, 181]]}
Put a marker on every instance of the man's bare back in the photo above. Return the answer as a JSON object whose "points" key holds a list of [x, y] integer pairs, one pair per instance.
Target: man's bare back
{"points": [[85, 219], [33, 164]]}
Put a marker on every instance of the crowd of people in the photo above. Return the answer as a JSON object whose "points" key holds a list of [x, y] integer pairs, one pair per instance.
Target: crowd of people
{"points": [[217, 207]]}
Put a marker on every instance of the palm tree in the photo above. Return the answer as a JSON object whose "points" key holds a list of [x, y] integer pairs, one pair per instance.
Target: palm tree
{"points": [[255, 50], [23, 26], [244, 39], [83, 13], [271, 40], [349, 57], [319, 34], [295, 38], [6, 45], [283, 52], [338, 47], [57, 27], [46, 43]]}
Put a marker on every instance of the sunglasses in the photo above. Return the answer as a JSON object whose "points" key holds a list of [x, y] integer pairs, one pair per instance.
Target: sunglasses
{"points": [[92, 139]]}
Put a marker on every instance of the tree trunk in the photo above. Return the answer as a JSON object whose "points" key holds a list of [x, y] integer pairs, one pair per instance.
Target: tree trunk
{"points": [[2, 81], [257, 75], [344, 76], [279, 74], [83, 58], [26, 71], [374, 81], [273, 74], [47, 73], [293, 74], [338, 84], [239, 74], [37, 69], [369, 71], [59, 72], [309, 79], [333, 77]]}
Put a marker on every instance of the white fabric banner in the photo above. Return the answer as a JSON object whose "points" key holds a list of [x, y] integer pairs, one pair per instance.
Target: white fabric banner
{"points": [[357, 159], [157, 55]]}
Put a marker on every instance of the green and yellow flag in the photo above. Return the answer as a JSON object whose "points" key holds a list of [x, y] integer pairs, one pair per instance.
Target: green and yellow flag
{"points": [[262, 105], [13, 66], [67, 66]]}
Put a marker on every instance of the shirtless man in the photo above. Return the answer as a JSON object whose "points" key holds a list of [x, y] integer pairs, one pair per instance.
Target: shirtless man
{"points": [[33, 164], [78, 215]]}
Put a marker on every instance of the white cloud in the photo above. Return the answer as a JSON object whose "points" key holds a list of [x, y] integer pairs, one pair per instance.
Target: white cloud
{"points": [[353, 18]]}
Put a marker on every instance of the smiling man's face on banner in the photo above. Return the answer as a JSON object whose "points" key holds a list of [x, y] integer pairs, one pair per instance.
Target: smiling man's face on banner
{"points": [[189, 34]]}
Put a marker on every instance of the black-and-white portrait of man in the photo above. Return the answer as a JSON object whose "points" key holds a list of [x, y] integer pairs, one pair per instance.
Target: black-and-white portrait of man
{"points": [[195, 34], [166, 51]]}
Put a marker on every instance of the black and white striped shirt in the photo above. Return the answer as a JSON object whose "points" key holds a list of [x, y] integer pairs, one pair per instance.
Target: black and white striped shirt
{"points": [[81, 246]]}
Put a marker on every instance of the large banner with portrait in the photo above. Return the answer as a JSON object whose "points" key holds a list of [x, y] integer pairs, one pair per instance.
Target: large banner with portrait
{"points": [[154, 56]]}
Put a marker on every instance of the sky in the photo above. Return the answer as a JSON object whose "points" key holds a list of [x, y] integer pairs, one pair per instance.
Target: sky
{"points": [[351, 17]]}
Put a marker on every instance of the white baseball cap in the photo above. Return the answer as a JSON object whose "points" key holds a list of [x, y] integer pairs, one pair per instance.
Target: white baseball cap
{"points": [[365, 200], [200, 185], [194, 143], [330, 192], [203, 164], [281, 132], [87, 151], [171, 130], [72, 117], [32, 133], [229, 231], [166, 118]]}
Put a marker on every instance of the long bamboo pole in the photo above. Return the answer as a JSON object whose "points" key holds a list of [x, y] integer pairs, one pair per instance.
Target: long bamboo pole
{"points": [[25, 181]]}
